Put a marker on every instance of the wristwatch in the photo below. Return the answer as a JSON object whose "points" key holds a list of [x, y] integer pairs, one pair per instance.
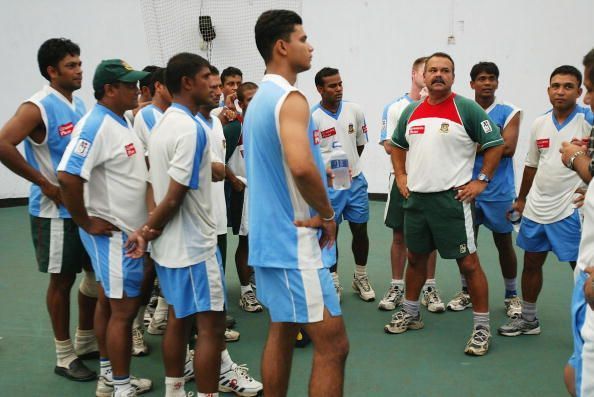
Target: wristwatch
{"points": [[483, 178], [573, 157]]}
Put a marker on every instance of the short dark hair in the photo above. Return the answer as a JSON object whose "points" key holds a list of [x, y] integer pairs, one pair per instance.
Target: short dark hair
{"points": [[248, 85], [441, 55], [148, 80], [157, 76], [589, 64], [274, 25], [52, 51], [230, 71], [484, 67], [418, 62], [182, 65], [570, 70], [324, 72], [214, 70]]}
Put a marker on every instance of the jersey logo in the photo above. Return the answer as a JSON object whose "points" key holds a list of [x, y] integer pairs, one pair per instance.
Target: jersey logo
{"points": [[317, 137], [384, 124], [130, 149], [329, 132], [486, 126], [543, 143], [462, 248], [351, 128], [82, 148], [66, 129], [445, 128], [416, 130]]}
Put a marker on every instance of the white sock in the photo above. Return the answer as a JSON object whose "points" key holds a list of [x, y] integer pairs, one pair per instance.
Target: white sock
{"points": [[139, 319], [208, 394], [246, 288], [85, 341], [64, 353], [121, 385], [226, 361], [105, 369], [161, 309], [430, 282], [360, 270], [174, 387], [397, 282]]}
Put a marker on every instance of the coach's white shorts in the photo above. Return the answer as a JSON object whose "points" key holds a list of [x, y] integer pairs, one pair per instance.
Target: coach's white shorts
{"points": [[194, 289]]}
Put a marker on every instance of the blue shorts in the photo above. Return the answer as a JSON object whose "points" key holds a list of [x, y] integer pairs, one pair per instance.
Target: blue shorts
{"points": [[582, 324], [493, 214], [194, 289], [296, 295], [351, 204], [561, 237], [117, 273]]}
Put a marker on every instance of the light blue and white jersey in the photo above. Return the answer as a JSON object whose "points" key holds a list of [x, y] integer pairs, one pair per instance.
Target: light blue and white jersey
{"points": [[502, 186], [391, 115], [105, 152], [59, 118], [146, 119], [346, 126], [274, 200]]}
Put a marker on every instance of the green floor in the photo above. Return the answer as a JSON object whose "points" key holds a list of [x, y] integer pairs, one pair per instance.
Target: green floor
{"points": [[429, 362]]}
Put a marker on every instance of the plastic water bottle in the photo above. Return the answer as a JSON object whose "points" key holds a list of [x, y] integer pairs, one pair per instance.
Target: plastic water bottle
{"points": [[339, 164], [515, 218]]}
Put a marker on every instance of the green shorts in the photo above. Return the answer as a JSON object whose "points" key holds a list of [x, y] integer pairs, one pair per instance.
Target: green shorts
{"points": [[439, 221], [394, 214], [58, 247]]}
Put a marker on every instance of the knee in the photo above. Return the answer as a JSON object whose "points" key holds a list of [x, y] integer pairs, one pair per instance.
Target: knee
{"points": [[62, 282], [469, 264], [89, 287], [398, 238], [359, 230], [337, 350]]}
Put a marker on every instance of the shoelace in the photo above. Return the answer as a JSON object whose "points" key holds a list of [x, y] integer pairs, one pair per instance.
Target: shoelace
{"points": [[250, 298], [461, 296], [242, 370], [400, 315], [515, 302], [364, 281], [432, 296], [480, 336], [392, 293], [137, 335]]}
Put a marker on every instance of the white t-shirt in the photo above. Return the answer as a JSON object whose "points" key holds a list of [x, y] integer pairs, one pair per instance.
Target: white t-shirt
{"points": [[214, 129], [106, 152], [146, 119], [552, 193], [179, 149], [391, 115], [346, 126]]}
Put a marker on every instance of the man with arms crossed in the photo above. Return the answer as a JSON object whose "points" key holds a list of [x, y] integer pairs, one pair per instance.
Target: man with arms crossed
{"points": [[45, 123], [394, 213], [495, 202], [435, 146], [343, 122], [551, 221], [103, 179], [288, 209]]}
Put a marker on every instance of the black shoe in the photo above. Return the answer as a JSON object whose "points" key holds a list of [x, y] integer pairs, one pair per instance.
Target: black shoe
{"points": [[76, 371], [230, 322], [90, 355]]}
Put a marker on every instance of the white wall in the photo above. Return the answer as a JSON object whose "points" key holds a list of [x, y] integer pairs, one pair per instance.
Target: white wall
{"points": [[103, 29], [372, 42]]}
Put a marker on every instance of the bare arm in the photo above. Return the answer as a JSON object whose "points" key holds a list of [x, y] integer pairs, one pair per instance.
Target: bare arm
{"points": [[236, 183], [387, 147], [218, 171], [491, 159], [527, 179], [510, 136], [26, 122], [581, 164], [73, 196], [398, 157]]}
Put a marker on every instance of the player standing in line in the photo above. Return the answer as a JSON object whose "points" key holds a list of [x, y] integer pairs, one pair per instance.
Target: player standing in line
{"points": [[45, 123], [103, 178], [343, 122], [550, 219], [226, 111], [394, 213], [290, 216], [493, 205]]}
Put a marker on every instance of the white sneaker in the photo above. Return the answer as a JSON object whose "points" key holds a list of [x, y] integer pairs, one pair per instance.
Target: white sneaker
{"points": [[139, 346], [460, 302], [189, 366], [249, 302], [392, 298], [362, 286], [513, 307], [338, 289], [139, 386], [237, 380], [402, 321], [430, 298], [126, 393], [157, 325], [231, 335], [478, 344]]}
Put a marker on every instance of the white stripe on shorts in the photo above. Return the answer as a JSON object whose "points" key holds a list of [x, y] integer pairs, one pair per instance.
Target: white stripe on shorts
{"points": [[587, 331], [313, 295], [215, 284], [116, 273], [469, 225], [56, 248]]}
